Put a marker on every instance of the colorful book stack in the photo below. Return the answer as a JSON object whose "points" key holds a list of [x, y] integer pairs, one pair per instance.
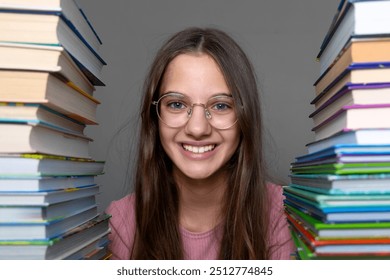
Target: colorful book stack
{"points": [[49, 67], [338, 202]]}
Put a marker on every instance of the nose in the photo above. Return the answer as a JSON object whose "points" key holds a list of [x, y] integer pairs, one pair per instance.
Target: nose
{"points": [[198, 126]]}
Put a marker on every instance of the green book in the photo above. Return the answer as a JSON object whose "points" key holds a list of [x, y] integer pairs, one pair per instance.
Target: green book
{"points": [[324, 231], [344, 168]]}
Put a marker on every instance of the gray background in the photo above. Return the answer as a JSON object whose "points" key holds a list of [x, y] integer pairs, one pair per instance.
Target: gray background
{"points": [[281, 38]]}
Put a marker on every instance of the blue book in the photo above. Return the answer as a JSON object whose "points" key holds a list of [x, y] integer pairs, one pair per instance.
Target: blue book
{"points": [[342, 184], [357, 153]]}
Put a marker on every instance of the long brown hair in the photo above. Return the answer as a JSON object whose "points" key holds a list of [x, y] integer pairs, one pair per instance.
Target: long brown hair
{"points": [[246, 220]]}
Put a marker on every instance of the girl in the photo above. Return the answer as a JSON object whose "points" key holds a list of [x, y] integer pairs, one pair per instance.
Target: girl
{"points": [[200, 189]]}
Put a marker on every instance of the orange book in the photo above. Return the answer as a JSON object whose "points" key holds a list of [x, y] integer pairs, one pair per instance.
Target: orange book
{"points": [[357, 51]]}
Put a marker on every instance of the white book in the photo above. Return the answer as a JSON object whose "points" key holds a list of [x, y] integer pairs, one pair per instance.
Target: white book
{"points": [[25, 138], [358, 137], [46, 58], [354, 117], [361, 19], [45, 198], [30, 184], [67, 8], [50, 29], [35, 114], [46, 214], [27, 166], [368, 96], [46, 229], [57, 248]]}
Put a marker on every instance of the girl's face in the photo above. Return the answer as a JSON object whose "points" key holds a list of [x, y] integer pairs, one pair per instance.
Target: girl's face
{"points": [[197, 149]]}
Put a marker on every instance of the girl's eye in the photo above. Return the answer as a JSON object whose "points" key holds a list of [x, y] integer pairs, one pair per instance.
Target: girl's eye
{"points": [[221, 106], [176, 105]]}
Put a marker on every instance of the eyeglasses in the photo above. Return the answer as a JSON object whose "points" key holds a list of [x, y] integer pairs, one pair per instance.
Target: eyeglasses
{"points": [[175, 109]]}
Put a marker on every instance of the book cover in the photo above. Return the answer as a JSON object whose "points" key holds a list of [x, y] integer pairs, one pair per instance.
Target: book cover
{"points": [[68, 9], [40, 230], [27, 214], [359, 18], [324, 201], [343, 184], [341, 232], [47, 183], [51, 29], [44, 88], [38, 114], [53, 59], [60, 247], [345, 168], [45, 198], [350, 95], [356, 51], [26, 138], [340, 150], [32, 165], [358, 73], [354, 117]]}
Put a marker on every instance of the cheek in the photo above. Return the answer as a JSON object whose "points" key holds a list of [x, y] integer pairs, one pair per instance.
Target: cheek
{"points": [[166, 138], [235, 138]]}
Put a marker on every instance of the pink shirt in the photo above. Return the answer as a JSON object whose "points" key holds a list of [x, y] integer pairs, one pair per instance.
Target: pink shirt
{"points": [[197, 246]]}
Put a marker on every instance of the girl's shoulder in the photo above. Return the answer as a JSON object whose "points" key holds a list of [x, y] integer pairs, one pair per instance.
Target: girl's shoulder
{"points": [[275, 192], [122, 205]]}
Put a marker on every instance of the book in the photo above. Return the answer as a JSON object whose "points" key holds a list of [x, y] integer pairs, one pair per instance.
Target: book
{"points": [[373, 74], [40, 230], [340, 216], [52, 59], [344, 168], [351, 137], [347, 153], [57, 248], [68, 9], [338, 233], [38, 114], [351, 95], [359, 19], [353, 117], [97, 250], [357, 246], [30, 165], [47, 89], [342, 184], [31, 184], [358, 53], [48, 28], [351, 158], [338, 202], [306, 253], [47, 213], [337, 215], [323, 201], [26, 138], [45, 198]]}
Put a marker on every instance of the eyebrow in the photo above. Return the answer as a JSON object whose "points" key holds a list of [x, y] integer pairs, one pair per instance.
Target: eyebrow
{"points": [[184, 95]]}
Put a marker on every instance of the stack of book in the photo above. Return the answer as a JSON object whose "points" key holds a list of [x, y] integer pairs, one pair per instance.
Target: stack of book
{"points": [[338, 202], [49, 67]]}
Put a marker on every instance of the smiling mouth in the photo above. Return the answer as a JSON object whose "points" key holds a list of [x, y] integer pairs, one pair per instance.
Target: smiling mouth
{"points": [[198, 149]]}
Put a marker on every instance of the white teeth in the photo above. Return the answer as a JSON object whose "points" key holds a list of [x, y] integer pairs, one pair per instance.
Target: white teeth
{"points": [[198, 150]]}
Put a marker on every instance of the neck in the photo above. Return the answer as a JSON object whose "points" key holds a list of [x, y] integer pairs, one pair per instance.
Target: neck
{"points": [[200, 201]]}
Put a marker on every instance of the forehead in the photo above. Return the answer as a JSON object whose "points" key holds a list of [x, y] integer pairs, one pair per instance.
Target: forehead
{"points": [[194, 75]]}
